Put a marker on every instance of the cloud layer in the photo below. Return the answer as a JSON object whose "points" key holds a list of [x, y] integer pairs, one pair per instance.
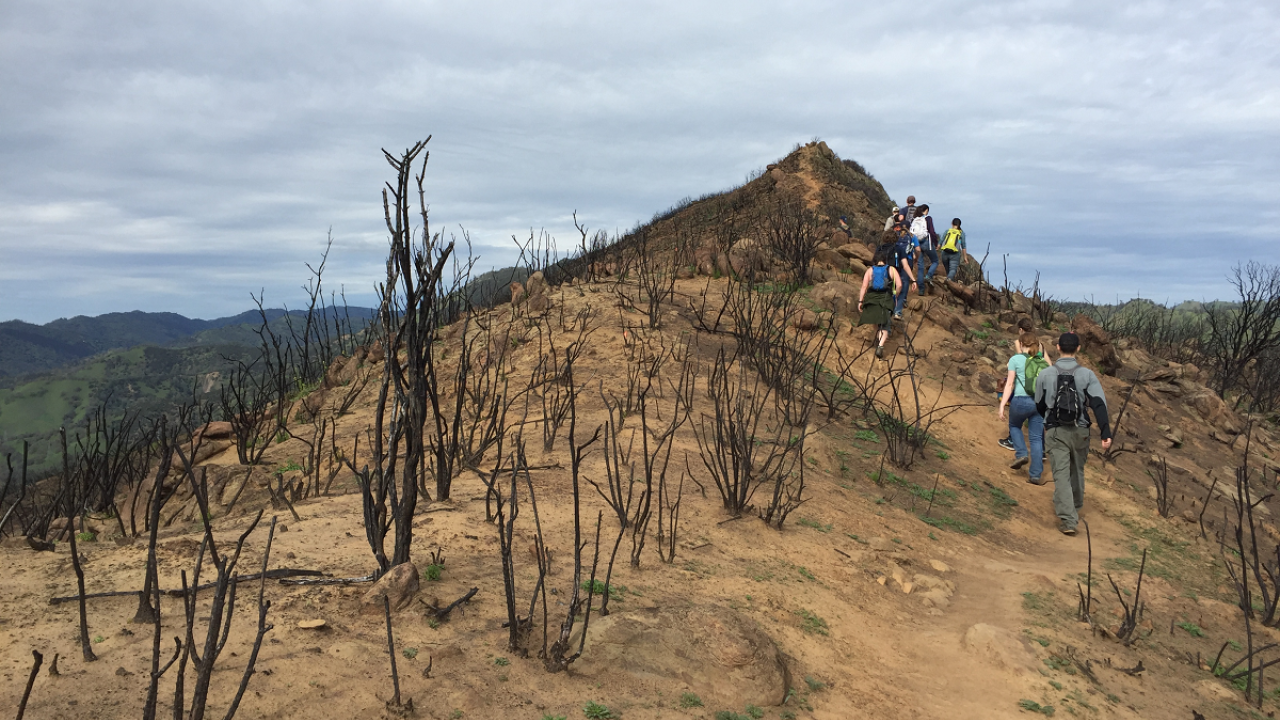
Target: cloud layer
{"points": [[178, 155]]}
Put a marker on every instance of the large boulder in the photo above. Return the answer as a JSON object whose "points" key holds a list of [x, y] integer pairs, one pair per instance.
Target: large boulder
{"points": [[723, 657], [536, 285], [837, 296], [1213, 410], [857, 251], [518, 294], [748, 259], [217, 430], [1097, 343], [805, 319], [539, 303], [341, 372], [831, 258]]}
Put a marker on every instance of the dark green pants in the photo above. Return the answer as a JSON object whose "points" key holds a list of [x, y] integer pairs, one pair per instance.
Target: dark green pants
{"points": [[1068, 448]]}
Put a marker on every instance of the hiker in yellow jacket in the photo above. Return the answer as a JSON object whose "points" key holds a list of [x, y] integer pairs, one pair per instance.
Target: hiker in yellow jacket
{"points": [[954, 251]]}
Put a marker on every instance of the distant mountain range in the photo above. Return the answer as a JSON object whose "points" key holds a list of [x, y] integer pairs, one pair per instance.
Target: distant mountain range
{"points": [[27, 349], [53, 375]]}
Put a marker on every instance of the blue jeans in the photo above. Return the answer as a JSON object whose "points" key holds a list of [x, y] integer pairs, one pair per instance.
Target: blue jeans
{"points": [[921, 277], [900, 300], [951, 261], [1022, 409]]}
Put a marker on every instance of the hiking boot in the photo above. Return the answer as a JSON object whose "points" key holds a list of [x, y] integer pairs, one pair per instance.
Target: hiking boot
{"points": [[1019, 463], [1035, 481], [879, 351], [897, 316], [1066, 529], [1006, 443]]}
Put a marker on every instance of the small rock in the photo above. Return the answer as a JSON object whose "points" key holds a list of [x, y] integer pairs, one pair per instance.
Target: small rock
{"points": [[122, 672], [399, 585], [315, 624], [939, 566]]}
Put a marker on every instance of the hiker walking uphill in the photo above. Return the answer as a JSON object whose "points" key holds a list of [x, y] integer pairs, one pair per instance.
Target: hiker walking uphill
{"points": [[1065, 392], [1024, 367], [954, 251], [903, 259], [890, 221], [927, 239], [875, 300], [908, 211], [1025, 326]]}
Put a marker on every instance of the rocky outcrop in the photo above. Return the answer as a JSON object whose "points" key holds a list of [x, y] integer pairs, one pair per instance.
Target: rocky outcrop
{"points": [[1096, 343], [837, 296]]}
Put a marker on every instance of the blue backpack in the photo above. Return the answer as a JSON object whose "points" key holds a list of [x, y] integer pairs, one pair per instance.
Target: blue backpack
{"points": [[880, 277]]}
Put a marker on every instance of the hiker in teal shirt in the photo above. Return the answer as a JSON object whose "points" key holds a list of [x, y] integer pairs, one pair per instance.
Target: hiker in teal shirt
{"points": [[1019, 396]]}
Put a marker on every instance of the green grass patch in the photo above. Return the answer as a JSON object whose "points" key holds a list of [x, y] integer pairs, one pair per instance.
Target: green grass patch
{"points": [[812, 623], [1033, 706], [690, 700], [946, 522], [1192, 629], [615, 591], [806, 522]]}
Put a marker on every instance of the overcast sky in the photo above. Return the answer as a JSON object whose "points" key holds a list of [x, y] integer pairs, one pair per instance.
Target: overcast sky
{"points": [[179, 155]]}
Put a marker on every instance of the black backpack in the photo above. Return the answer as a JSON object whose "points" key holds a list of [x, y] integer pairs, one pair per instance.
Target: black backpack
{"points": [[1066, 401]]}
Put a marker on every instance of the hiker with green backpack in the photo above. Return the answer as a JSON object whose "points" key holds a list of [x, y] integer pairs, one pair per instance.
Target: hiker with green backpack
{"points": [[1019, 396]]}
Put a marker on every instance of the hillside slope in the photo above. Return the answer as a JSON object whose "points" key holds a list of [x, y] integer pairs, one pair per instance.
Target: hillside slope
{"points": [[916, 580]]}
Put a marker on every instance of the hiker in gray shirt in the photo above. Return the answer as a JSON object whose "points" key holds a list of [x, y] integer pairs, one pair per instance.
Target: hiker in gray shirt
{"points": [[1065, 392]]}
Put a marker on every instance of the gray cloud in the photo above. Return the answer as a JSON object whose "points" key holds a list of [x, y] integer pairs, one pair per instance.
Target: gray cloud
{"points": [[177, 156]]}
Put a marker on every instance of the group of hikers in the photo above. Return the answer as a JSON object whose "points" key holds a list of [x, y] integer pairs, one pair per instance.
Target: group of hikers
{"points": [[1052, 399], [909, 247], [1054, 402]]}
